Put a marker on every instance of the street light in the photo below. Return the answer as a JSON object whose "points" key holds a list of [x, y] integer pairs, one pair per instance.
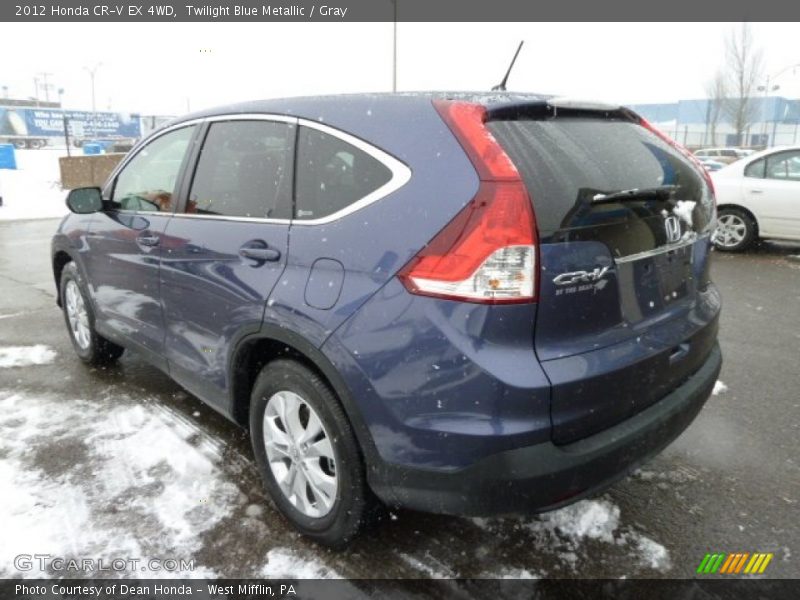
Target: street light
{"points": [[92, 72]]}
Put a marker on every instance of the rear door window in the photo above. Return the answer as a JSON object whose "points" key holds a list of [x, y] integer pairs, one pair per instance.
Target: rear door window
{"points": [[244, 170], [785, 165], [333, 174], [578, 170], [755, 169]]}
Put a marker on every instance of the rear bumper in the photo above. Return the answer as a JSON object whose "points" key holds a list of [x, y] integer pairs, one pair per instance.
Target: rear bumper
{"points": [[545, 476]]}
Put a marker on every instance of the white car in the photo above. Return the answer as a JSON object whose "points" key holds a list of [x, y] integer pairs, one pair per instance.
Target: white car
{"points": [[758, 197]]}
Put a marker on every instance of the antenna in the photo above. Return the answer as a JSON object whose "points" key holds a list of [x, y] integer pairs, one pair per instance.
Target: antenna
{"points": [[501, 87]]}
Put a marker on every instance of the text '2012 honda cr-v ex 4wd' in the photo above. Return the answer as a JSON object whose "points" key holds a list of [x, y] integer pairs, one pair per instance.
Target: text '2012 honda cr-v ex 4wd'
{"points": [[464, 304]]}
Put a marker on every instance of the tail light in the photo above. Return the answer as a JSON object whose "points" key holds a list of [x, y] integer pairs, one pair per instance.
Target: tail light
{"points": [[487, 253]]}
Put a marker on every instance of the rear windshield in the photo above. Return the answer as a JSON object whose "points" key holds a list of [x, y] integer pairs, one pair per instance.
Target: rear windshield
{"points": [[572, 165]]}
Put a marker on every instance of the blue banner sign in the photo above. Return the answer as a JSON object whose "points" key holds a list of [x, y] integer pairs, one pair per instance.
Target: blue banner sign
{"points": [[43, 122]]}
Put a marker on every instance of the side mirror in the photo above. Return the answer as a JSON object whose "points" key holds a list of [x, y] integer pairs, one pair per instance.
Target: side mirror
{"points": [[85, 200]]}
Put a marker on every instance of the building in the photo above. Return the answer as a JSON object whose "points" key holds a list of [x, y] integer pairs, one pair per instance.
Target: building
{"points": [[775, 122]]}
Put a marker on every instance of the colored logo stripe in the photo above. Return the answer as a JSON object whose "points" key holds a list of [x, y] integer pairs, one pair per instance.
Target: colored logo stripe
{"points": [[734, 563], [711, 562]]}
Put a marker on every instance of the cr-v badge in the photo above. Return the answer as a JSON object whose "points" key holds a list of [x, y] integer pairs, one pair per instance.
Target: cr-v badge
{"points": [[577, 277]]}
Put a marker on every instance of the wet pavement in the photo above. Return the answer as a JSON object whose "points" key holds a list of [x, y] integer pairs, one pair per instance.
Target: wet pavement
{"points": [[123, 463]]}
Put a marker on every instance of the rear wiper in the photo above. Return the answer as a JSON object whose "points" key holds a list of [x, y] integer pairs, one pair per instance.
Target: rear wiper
{"points": [[635, 194]]}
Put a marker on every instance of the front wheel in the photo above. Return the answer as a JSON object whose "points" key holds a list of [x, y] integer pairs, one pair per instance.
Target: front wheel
{"points": [[735, 231], [307, 453], [91, 347]]}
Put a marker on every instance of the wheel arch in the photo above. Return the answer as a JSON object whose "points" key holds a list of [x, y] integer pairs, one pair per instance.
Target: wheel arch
{"points": [[61, 258], [255, 351]]}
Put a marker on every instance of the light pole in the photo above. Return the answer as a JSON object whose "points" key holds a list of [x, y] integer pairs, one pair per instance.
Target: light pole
{"points": [[394, 45], [766, 88], [45, 85], [92, 72], [64, 119]]}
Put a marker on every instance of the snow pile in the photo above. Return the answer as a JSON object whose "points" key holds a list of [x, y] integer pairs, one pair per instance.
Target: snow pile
{"points": [[651, 554], [719, 388], [79, 481], [593, 519], [25, 356], [33, 191], [283, 563], [570, 532]]}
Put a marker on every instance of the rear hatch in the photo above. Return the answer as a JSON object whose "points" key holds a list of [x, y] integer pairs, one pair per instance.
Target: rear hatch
{"points": [[624, 219]]}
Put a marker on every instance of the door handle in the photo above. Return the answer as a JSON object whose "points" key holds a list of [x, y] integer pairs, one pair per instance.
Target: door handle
{"points": [[260, 254], [756, 191], [148, 240]]}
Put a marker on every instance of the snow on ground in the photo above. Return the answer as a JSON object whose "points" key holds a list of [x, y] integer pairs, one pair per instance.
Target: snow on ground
{"points": [[719, 388], [86, 480], [512, 574], [24, 356], [429, 565], [33, 190], [565, 532], [283, 563]]}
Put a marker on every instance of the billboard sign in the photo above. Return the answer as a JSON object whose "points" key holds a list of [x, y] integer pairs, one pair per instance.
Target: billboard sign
{"points": [[43, 122]]}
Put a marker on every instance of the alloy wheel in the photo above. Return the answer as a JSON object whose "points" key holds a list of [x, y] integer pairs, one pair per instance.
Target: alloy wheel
{"points": [[300, 454], [731, 231], [77, 315]]}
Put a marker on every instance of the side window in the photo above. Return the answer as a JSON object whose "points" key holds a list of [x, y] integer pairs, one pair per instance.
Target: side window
{"points": [[729, 153], [148, 181], [785, 165], [755, 169], [244, 170], [332, 174], [702, 153]]}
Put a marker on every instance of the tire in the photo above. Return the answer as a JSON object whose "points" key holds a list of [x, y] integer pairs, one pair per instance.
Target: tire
{"points": [[735, 232], [20, 144], [335, 502], [91, 347]]}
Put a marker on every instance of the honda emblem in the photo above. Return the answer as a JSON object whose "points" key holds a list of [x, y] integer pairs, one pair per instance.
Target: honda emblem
{"points": [[673, 227]]}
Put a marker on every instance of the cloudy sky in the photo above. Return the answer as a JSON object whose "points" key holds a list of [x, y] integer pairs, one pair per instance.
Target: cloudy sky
{"points": [[169, 68]]}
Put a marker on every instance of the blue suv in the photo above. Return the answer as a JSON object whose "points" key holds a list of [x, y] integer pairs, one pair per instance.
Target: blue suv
{"points": [[468, 304]]}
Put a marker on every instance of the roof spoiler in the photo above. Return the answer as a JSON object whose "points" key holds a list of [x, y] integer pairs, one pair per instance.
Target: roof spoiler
{"points": [[560, 105]]}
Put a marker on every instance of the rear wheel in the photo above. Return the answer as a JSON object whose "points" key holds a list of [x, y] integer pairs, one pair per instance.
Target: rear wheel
{"points": [[735, 231], [307, 453], [91, 347]]}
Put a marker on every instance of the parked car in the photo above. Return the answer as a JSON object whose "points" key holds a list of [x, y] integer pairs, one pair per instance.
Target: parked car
{"points": [[758, 198], [709, 164], [465, 304], [723, 155]]}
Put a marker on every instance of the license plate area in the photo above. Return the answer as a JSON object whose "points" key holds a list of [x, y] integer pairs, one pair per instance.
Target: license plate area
{"points": [[666, 279]]}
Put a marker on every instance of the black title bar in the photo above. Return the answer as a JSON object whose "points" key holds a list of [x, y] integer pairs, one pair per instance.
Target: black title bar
{"points": [[401, 10]]}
